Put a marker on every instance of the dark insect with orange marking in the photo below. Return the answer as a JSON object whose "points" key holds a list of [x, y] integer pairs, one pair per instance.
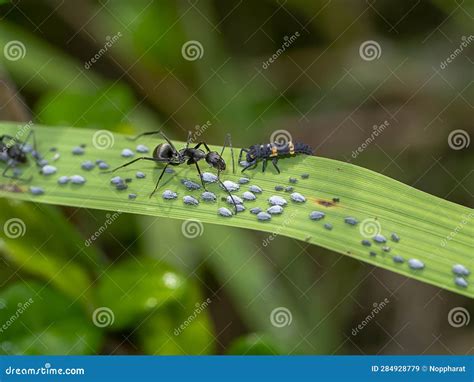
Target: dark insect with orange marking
{"points": [[273, 151]]}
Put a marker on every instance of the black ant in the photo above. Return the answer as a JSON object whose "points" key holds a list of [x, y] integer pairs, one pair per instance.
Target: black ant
{"points": [[272, 151], [167, 153], [12, 151]]}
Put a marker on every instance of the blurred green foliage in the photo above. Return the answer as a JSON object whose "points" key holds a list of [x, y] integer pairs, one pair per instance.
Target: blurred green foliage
{"points": [[30, 328]]}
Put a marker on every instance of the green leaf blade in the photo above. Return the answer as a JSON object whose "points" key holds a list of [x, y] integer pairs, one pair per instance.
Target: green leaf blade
{"points": [[435, 231]]}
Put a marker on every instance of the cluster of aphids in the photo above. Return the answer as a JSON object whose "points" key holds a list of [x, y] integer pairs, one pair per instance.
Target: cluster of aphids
{"points": [[13, 152], [167, 154]]}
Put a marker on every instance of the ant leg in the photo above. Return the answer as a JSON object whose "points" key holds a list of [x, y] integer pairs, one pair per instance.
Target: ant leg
{"points": [[251, 164], [144, 134], [153, 133], [2, 137], [241, 152], [275, 161], [264, 166], [228, 141], [228, 192], [10, 165], [35, 153], [188, 141], [200, 176], [205, 145], [133, 161], [33, 135], [158, 182]]}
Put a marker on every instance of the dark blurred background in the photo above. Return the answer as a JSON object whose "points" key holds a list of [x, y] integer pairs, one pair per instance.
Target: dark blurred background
{"points": [[327, 72]]}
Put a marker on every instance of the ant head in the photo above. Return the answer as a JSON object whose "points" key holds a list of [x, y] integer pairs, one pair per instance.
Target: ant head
{"points": [[215, 160], [15, 152]]}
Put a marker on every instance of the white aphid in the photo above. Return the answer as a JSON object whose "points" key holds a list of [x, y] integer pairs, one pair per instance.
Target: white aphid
{"points": [[209, 177], [297, 197], [276, 200], [230, 186], [275, 210], [247, 195], [236, 199]]}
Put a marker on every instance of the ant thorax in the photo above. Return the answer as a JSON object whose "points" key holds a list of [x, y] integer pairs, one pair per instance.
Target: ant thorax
{"points": [[195, 154]]}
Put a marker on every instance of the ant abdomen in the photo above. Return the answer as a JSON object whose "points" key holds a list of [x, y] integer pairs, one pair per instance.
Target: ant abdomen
{"points": [[163, 151]]}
